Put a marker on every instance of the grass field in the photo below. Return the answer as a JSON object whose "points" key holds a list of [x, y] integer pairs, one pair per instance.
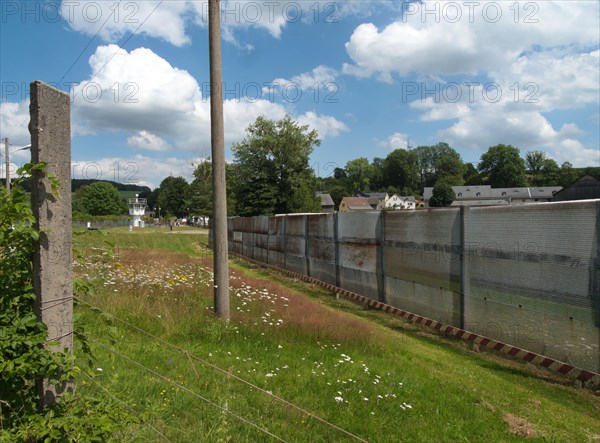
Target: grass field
{"points": [[347, 374]]}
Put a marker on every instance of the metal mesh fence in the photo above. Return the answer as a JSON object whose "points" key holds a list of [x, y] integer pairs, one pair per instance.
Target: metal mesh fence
{"points": [[528, 275]]}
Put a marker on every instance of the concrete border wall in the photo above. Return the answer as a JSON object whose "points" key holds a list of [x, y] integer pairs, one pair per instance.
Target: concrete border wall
{"points": [[527, 275]]}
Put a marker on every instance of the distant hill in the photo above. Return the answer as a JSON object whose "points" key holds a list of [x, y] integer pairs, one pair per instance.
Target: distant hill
{"points": [[125, 189]]}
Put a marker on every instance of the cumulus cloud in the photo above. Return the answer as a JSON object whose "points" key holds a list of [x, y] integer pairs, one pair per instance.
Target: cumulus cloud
{"points": [[147, 140], [162, 107], [14, 121], [326, 126], [434, 38], [171, 20], [514, 62], [397, 140]]}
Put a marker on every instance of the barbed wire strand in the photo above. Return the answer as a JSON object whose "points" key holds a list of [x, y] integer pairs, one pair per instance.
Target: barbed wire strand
{"points": [[122, 403], [184, 388], [230, 374]]}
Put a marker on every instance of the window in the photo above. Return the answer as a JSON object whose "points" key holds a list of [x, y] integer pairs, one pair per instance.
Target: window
{"points": [[478, 194], [504, 194], [459, 194]]}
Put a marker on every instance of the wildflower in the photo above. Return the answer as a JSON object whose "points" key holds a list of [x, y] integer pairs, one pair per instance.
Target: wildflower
{"points": [[339, 399]]}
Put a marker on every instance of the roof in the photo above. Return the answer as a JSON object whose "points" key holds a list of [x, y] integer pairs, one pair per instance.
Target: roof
{"points": [[487, 192], [326, 199], [356, 202]]}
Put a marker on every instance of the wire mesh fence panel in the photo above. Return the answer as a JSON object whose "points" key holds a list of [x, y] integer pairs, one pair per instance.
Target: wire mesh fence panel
{"points": [[527, 275], [295, 243], [359, 241], [533, 273], [421, 255], [322, 247]]}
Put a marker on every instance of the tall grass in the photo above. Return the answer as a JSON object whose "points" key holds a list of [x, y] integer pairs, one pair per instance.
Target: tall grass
{"points": [[371, 375]]}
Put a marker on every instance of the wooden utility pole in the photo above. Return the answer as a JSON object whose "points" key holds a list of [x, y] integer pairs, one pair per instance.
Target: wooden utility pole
{"points": [[7, 165], [221, 267]]}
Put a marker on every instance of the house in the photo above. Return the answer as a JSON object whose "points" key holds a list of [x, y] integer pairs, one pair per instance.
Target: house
{"points": [[398, 202], [485, 195], [587, 187], [377, 200], [327, 204], [355, 204]]}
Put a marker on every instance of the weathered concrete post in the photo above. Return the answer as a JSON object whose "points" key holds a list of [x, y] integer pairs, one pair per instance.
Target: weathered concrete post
{"points": [[465, 278], [50, 128]]}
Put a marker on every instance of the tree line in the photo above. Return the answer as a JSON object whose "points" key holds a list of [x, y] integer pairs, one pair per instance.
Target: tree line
{"points": [[271, 174]]}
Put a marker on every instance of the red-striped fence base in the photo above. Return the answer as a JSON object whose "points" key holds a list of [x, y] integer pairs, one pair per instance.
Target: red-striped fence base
{"points": [[583, 377]]}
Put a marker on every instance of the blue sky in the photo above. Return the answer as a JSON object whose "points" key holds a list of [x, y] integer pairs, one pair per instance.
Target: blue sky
{"points": [[369, 76]]}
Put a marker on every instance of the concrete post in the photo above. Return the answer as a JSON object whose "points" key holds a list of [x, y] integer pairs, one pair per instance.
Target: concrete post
{"points": [[337, 248], [50, 129], [465, 279], [306, 245]]}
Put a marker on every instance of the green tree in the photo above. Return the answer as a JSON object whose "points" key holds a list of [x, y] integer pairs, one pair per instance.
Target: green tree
{"points": [[172, 196], [199, 193], [543, 170], [443, 195], [471, 175], [439, 162], [503, 166], [359, 172], [100, 198], [272, 173], [567, 175], [400, 170]]}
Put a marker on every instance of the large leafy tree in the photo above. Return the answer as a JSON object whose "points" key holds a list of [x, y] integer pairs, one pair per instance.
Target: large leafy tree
{"points": [[272, 173], [360, 173], [503, 166], [100, 198], [172, 196], [400, 171], [439, 162], [543, 170]]}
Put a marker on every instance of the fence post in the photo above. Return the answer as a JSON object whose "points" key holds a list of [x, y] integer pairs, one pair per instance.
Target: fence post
{"points": [[50, 129], [465, 279], [284, 241], [380, 254], [306, 245], [337, 248]]}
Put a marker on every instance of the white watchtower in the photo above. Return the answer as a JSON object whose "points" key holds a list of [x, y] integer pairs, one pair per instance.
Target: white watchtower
{"points": [[137, 209]]}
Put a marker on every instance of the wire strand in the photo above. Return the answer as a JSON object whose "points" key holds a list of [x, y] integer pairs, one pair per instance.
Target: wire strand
{"points": [[122, 403], [183, 388], [229, 374]]}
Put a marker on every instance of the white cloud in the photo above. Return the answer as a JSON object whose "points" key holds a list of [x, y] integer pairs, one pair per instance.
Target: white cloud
{"points": [[149, 141], [397, 140], [317, 78], [536, 58], [170, 20], [438, 44], [112, 20], [528, 130], [162, 107], [14, 122], [325, 125]]}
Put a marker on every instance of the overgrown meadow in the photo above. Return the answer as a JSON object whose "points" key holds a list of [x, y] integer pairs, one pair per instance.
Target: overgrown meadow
{"points": [[294, 363]]}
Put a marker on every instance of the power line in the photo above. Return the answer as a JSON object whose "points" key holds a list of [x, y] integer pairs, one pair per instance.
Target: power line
{"points": [[183, 388], [224, 371]]}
